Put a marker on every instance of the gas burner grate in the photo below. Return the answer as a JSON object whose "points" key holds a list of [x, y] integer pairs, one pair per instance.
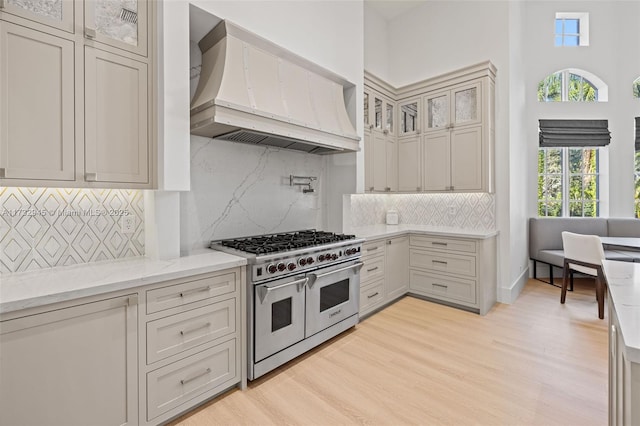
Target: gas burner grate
{"points": [[275, 243]]}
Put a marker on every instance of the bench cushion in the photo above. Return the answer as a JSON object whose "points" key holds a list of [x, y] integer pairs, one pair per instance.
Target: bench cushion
{"points": [[623, 227], [553, 257], [545, 233]]}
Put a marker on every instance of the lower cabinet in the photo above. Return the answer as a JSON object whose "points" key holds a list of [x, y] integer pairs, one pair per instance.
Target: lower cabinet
{"points": [[74, 365], [384, 276], [624, 378], [193, 343], [456, 271]]}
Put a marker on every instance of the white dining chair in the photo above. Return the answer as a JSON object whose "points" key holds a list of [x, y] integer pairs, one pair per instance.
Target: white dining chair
{"points": [[584, 254]]}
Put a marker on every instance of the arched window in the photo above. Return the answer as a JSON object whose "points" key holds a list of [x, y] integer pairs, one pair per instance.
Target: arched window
{"points": [[572, 85], [636, 88]]}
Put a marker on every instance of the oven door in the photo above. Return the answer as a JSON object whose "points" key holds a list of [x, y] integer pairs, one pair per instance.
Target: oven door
{"points": [[279, 315], [332, 295]]}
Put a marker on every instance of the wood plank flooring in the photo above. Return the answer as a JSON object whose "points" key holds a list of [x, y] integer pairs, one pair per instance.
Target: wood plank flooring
{"points": [[534, 362]]}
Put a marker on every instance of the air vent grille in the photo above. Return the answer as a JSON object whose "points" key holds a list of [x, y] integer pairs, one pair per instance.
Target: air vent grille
{"points": [[257, 138]]}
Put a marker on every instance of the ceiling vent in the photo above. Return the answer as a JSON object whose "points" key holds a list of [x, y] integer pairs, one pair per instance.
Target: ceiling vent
{"points": [[253, 91]]}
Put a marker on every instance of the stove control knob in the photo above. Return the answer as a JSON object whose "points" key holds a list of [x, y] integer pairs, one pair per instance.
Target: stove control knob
{"points": [[302, 261], [310, 260], [272, 268], [291, 266], [281, 267], [321, 258], [350, 251], [334, 256]]}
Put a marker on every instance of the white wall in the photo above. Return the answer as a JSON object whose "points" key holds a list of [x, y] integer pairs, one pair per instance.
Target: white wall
{"points": [[376, 44], [613, 57]]}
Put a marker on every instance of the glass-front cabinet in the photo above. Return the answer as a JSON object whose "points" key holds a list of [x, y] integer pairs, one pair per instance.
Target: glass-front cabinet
{"points": [[453, 108], [117, 23], [54, 13], [409, 117]]}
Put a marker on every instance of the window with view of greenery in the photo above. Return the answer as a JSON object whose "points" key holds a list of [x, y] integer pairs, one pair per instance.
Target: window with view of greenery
{"points": [[566, 86], [568, 182], [636, 88], [637, 189]]}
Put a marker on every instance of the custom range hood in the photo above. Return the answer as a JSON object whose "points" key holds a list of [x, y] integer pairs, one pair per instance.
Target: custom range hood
{"points": [[253, 91]]}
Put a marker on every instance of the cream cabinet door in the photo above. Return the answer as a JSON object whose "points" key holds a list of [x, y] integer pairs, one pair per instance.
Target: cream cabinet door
{"points": [[379, 164], [37, 139], [466, 104], [72, 366], [396, 279], [368, 161], [409, 178], [409, 114], [54, 13], [117, 23], [466, 159], [391, 144], [437, 161], [116, 118], [437, 107]]}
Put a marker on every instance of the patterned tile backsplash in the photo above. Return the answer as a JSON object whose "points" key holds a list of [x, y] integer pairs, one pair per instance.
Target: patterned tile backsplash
{"points": [[46, 227], [467, 211]]}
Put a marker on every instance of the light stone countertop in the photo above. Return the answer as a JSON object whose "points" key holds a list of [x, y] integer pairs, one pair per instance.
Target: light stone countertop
{"points": [[45, 286], [623, 280], [374, 232]]}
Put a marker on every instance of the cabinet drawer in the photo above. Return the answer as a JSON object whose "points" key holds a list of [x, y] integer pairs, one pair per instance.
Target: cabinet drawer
{"points": [[373, 269], [191, 291], [177, 383], [371, 295], [439, 243], [443, 287], [373, 248], [176, 333], [443, 262]]}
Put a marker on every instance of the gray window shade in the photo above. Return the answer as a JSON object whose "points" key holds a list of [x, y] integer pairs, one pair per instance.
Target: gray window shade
{"points": [[574, 133], [637, 133]]}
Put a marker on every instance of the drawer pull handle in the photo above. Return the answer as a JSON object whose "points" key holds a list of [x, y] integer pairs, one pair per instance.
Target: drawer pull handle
{"points": [[373, 248], [91, 177], [442, 262], [90, 32], [2, 4], [197, 290], [192, 329], [373, 295], [438, 243], [372, 269], [195, 376], [3, 171], [440, 285]]}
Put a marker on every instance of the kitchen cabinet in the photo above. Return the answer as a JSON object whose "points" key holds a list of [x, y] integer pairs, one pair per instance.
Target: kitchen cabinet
{"points": [[74, 365], [624, 377], [90, 94], [381, 143], [410, 146], [456, 271], [385, 274], [193, 347], [37, 106]]}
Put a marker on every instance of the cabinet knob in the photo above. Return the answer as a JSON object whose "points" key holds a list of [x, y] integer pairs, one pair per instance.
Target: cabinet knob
{"points": [[387, 189], [371, 126], [3, 171], [90, 32], [91, 177], [371, 188], [418, 189], [385, 131], [1, 4]]}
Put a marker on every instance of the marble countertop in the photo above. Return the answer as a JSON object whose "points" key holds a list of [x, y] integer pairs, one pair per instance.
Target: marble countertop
{"points": [[37, 288], [623, 279], [383, 231]]}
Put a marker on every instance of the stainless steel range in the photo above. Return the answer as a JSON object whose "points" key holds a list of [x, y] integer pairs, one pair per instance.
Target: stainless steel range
{"points": [[304, 288]]}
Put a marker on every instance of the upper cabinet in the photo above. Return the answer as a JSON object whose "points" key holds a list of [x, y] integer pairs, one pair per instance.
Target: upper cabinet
{"points": [[53, 13], [117, 23], [76, 108], [444, 131]]}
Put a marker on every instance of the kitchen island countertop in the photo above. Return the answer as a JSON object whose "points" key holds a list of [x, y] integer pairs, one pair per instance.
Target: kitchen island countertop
{"points": [[29, 289]]}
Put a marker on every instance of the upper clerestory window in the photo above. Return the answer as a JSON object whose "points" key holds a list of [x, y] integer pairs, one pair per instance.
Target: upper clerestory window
{"points": [[572, 29]]}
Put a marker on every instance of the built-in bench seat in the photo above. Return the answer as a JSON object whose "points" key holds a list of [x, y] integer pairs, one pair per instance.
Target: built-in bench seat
{"points": [[545, 238]]}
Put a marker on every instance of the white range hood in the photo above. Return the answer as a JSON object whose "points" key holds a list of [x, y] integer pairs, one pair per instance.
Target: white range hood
{"points": [[253, 91]]}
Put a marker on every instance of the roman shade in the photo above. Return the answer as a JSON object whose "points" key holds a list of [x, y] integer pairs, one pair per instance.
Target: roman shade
{"points": [[637, 133], [574, 133]]}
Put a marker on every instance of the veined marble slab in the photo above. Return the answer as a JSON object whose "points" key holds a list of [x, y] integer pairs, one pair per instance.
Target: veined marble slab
{"points": [[623, 282], [373, 232], [42, 287]]}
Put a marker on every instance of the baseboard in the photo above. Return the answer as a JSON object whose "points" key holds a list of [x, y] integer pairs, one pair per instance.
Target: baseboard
{"points": [[510, 294]]}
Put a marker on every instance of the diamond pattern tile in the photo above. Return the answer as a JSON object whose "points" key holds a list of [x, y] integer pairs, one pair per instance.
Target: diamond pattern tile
{"points": [[470, 211], [46, 227]]}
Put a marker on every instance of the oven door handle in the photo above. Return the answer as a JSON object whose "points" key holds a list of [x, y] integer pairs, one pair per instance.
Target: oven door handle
{"points": [[263, 290], [314, 277]]}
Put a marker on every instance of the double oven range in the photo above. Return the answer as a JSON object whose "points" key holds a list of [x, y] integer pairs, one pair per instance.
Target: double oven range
{"points": [[303, 289]]}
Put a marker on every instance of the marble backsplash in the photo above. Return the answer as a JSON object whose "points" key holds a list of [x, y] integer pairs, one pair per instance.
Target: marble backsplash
{"points": [[467, 211], [46, 227], [242, 190]]}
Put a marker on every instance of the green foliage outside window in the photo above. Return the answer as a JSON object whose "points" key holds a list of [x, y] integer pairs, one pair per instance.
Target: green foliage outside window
{"points": [[637, 191], [575, 87], [636, 88]]}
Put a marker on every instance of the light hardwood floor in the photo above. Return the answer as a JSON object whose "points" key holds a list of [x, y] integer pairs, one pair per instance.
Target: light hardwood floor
{"points": [[534, 362]]}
